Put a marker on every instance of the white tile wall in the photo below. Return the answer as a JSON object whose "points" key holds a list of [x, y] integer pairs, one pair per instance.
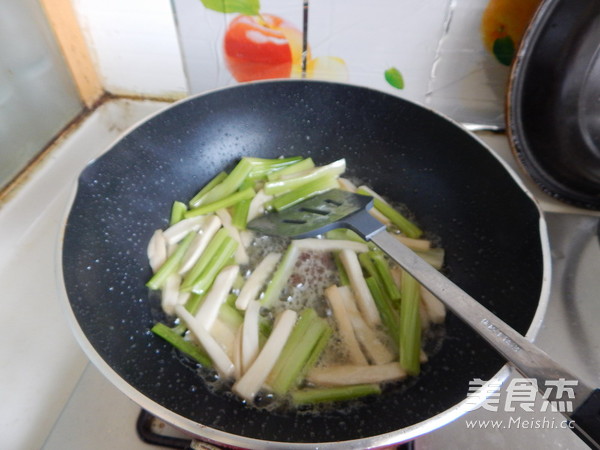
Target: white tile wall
{"points": [[134, 45]]}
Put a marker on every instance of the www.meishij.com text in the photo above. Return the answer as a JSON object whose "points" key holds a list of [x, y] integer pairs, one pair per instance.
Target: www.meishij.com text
{"points": [[520, 423]]}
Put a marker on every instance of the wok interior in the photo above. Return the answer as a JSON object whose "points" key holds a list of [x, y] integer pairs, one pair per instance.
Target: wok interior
{"points": [[455, 187]]}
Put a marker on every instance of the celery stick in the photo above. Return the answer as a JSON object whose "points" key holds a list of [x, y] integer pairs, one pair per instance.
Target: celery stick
{"points": [[171, 264], [206, 257], [389, 316], [240, 214], [221, 259], [315, 354], [181, 344], [403, 224], [344, 234], [385, 276], [280, 277], [334, 394], [298, 166], [211, 184], [410, 325], [224, 202], [279, 187], [297, 357], [344, 280], [194, 302], [229, 315], [177, 211], [305, 319], [263, 167], [228, 186], [305, 191]]}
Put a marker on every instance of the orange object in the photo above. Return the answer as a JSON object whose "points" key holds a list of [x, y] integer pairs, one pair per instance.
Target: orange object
{"points": [[506, 19], [262, 47]]}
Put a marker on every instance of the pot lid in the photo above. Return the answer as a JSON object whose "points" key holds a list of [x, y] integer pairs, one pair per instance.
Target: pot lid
{"points": [[554, 101]]}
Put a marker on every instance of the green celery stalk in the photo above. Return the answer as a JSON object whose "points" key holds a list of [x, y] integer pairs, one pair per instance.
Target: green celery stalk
{"points": [[341, 270], [239, 218], [305, 191], [192, 305], [345, 235], [403, 224], [410, 325], [224, 202], [279, 187], [303, 323], [297, 357], [315, 354], [299, 166], [221, 259], [334, 394], [280, 276], [177, 211], [230, 315], [211, 184], [171, 264], [184, 346], [385, 276], [263, 167], [228, 186], [389, 316], [206, 257]]}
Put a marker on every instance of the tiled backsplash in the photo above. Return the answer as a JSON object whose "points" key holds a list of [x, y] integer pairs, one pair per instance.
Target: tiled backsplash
{"points": [[434, 47], [164, 49]]}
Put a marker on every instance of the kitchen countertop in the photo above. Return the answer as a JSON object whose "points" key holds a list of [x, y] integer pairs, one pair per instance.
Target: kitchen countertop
{"points": [[52, 397]]}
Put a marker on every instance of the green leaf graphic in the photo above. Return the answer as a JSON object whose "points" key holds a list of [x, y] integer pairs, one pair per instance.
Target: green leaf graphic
{"points": [[504, 50], [247, 7], [394, 78]]}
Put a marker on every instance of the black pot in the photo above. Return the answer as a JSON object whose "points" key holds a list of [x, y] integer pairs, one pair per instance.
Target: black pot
{"points": [[490, 227]]}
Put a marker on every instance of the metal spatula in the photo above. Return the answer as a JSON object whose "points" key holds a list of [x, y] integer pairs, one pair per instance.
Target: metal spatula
{"points": [[341, 209]]}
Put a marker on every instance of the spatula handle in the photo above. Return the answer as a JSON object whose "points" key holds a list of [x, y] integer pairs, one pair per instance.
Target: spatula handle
{"points": [[527, 358]]}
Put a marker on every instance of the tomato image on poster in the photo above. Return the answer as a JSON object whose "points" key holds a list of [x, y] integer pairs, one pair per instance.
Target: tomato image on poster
{"points": [[259, 45]]}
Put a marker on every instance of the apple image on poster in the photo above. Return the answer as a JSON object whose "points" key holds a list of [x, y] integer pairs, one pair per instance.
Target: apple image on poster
{"points": [[258, 46]]}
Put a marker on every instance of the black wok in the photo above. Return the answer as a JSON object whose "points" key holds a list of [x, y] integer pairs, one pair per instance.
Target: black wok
{"points": [[492, 231]]}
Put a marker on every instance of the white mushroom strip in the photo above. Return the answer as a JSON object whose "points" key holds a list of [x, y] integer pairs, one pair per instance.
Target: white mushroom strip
{"points": [[344, 326], [419, 245], [376, 351], [256, 280], [198, 245], [330, 245], [252, 381], [177, 232], [249, 344], [435, 308], [170, 293], [344, 375], [157, 250], [225, 336], [257, 204], [216, 353], [365, 301], [241, 257], [217, 295]]}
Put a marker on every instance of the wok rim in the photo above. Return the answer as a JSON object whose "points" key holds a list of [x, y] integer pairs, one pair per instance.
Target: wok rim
{"points": [[209, 434]]}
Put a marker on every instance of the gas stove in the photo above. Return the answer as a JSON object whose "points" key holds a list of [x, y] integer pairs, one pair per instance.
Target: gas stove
{"points": [[53, 398]]}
